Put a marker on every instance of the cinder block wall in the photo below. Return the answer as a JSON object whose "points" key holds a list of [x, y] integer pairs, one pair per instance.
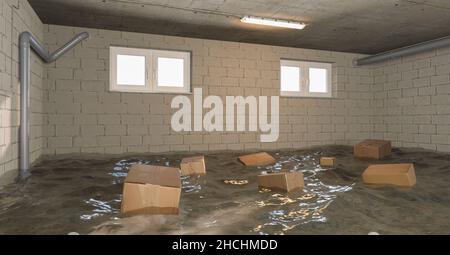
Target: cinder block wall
{"points": [[17, 16], [406, 100], [412, 100], [84, 117]]}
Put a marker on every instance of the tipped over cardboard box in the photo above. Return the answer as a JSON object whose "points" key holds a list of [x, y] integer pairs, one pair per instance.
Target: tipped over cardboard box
{"points": [[257, 159], [151, 190], [286, 181], [375, 149], [193, 166], [392, 174], [327, 161]]}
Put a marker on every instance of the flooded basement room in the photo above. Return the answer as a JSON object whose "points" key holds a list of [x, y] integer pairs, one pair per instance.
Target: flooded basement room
{"points": [[258, 120], [82, 195]]}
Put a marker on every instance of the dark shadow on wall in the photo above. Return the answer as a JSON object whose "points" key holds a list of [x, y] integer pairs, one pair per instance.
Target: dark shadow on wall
{"points": [[7, 132]]}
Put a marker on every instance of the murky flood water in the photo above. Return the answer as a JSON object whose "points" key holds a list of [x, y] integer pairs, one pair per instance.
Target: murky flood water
{"points": [[84, 195]]}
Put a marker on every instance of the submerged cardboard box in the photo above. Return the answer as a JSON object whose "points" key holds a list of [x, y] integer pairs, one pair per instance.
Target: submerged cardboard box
{"points": [[375, 149], [151, 190], [327, 161], [393, 174], [193, 166], [286, 181], [257, 159]]}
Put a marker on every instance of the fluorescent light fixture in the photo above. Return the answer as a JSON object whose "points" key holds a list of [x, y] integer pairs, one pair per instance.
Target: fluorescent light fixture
{"points": [[273, 22]]}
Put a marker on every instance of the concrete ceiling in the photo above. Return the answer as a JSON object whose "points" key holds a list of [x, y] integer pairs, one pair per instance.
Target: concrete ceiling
{"points": [[361, 26]]}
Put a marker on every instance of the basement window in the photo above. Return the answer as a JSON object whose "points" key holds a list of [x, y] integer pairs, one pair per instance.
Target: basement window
{"points": [[305, 79], [149, 71]]}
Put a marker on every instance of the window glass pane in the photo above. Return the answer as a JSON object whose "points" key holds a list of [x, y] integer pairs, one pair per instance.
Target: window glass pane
{"points": [[318, 80], [290, 78], [131, 70], [170, 72]]}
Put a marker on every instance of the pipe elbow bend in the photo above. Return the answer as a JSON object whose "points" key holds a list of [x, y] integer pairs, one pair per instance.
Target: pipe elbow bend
{"points": [[25, 38], [84, 35]]}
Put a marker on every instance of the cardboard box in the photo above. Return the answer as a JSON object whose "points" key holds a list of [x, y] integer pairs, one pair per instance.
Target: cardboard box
{"points": [[257, 159], [393, 174], [193, 166], [151, 190], [375, 149], [286, 181], [327, 161]]}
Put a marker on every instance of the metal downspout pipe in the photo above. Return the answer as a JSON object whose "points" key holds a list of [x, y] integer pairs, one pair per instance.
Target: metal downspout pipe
{"points": [[27, 42], [405, 51]]}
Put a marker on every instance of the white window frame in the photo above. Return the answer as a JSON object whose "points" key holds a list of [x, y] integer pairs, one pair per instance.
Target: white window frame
{"points": [[304, 78], [114, 51], [151, 60], [186, 72], [293, 63]]}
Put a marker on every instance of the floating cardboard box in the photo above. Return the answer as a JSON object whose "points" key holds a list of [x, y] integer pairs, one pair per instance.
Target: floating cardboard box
{"points": [[193, 166], [257, 159], [286, 181], [327, 161], [376, 149], [151, 190], [393, 174]]}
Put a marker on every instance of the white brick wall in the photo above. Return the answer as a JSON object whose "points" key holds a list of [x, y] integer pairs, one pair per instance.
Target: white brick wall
{"points": [[405, 100], [17, 16], [106, 122], [414, 106]]}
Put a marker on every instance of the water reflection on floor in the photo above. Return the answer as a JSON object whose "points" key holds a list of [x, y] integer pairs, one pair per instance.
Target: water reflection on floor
{"points": [[81, 194]]}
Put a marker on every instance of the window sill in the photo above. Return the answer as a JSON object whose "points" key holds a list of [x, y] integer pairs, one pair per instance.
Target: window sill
{"points": [[309, 97], [149, 92], [172, 93]]}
